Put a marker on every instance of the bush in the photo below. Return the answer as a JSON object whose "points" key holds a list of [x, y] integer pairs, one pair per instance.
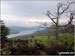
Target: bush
{"points": [[40, 45]]}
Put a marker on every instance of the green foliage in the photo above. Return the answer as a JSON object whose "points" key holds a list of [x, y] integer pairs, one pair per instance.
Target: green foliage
{"points": [[4, 31], [66, 37], [5, 52], [31, 44], [13, 42], [69, 38], [45, 39]]}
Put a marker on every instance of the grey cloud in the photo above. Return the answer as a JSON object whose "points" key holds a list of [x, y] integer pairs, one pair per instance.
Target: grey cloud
{"points": [[31, 8]]}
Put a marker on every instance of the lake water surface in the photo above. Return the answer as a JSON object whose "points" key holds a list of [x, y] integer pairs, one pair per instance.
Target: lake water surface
{"points": [[21, 33]]}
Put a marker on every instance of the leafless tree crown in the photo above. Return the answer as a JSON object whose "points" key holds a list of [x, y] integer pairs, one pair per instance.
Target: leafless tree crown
{"points": [[61, 9]]}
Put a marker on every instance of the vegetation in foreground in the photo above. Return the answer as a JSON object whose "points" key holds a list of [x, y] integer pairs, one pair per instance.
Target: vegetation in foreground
{"points": [[39, 45]]}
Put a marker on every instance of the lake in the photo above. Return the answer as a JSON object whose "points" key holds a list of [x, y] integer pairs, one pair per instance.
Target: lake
{"points": [[21, 33]]}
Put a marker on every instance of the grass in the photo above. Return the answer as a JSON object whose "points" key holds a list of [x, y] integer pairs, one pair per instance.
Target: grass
{"points": [[45, 39], [66, 37]]}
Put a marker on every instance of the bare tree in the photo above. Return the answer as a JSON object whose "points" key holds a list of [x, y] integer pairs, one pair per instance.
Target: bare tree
{"points": [[61, 9]]}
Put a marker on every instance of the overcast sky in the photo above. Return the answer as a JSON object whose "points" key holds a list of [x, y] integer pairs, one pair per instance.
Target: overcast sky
{"points": [[27, 13]]}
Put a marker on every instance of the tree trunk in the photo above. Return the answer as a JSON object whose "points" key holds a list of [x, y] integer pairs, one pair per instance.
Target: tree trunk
{"points": [[57, 32]]}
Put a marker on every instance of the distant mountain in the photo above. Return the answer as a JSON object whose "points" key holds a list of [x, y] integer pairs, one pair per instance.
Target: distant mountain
{"points": [[16, 29], [36, 33]]}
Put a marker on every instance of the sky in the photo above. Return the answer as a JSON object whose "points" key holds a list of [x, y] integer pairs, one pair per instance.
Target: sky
{"points": [[28, 13]]}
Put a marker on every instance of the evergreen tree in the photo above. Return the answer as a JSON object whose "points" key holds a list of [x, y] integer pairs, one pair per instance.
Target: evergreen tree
{"points": [[4, 32]]}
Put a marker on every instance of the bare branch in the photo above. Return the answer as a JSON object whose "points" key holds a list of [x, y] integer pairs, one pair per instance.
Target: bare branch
{"points": [[66, 8], [70, 21], [48, 14]]}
